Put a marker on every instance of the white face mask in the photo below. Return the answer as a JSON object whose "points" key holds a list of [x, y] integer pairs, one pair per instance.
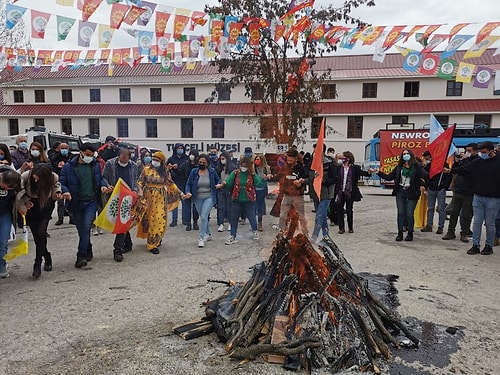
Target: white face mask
{"points": [[122, 164], [155, 163], [468, 154], [243, 169], [191, 157], [35, 153], [339, 161], [87, 159], [223, 161]]}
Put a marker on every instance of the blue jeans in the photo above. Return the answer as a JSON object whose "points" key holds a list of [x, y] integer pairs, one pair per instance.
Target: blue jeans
{"points": [[321, 222], [406, 209], [440, 196], [204, 206], [83, 217], [223, 205], [248, 210], [175, 215], [5, 225], [485, 210], [260, 202]]}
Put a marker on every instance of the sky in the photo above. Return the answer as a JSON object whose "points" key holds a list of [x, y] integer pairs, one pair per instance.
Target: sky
{"points": [[386, 12]]}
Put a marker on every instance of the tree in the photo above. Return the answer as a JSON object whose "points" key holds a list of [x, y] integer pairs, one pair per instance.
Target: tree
{"points": [[279, 73]]}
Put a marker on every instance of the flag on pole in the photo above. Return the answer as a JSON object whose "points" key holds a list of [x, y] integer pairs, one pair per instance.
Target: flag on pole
{"points": [[435, 130], [439, 150], [317, 162], [116, 216]]}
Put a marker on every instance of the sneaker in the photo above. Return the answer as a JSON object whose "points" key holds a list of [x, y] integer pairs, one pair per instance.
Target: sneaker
{"points": [[488, 250], [201, 243], [207, 237], [80, 262], [473, 250], [155, 251], [242, 221], [100, 231], [59, 222], [449, 236], [4, 271], [427, 228], [95, 232], [439, 231], [256, 235], [231, 240], [229, 227], [221, 228]]}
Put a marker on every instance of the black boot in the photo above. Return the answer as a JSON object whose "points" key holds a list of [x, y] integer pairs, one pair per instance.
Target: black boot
{"points": [[399, 237], [47, 266], [409, 236], [37, 268]]}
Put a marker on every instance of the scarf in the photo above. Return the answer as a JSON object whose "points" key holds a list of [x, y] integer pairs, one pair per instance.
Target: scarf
{"points": [[249, 188], [348, 183], [407, 172]]}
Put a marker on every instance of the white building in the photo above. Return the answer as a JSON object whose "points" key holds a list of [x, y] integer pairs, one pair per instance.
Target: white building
{"points": [[144, 106]]}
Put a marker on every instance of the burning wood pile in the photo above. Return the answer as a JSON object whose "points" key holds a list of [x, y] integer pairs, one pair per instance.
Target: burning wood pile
{"points": [[306, 310]]}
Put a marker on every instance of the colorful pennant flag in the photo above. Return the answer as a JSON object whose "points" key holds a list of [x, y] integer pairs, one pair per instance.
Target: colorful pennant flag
{"points": [[412, 61], [427, 33], [166, 64], [477, 49], [486, 31], [161, 20], [145, 41], [118, 13], [297, 5], [454, 45], [13, 15], [456, 29], [412, 31], [435, 130], [181, 21], [64, 25], [483, 77], [85, 32], [439, 151], [146, 16], [89, 7], [434, 42], [197, 19], [446, 69], [393, 37], [39, 21], [133, 14], [105, 35], [430, 64], [465, 72]]}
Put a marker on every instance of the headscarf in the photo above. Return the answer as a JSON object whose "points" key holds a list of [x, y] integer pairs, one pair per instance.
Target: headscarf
{"points": [[160, 155]]}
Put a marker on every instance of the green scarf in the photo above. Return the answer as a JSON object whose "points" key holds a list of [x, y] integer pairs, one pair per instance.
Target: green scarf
{"points": [[407, 172]]}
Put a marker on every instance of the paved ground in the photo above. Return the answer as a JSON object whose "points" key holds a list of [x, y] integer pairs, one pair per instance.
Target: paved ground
{"points": [[116, 318]]}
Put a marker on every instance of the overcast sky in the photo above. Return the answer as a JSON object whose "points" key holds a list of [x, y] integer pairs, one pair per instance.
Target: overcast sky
{"points": [[386, 12]]}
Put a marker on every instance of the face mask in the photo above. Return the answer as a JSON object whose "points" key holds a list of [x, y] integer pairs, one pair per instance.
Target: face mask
{"points": [[257, 162], [191, 157], [339, 161], [23, 145], [2, 157], [406, 157], [87, 159], [248, 154], [122, 164], [484, 156], [132, 156], [223, 161], [155, 163], [243, 169], [180, 151], [468, 154], [147, 159], [64, 152], [213, 156], [426, 162], [202, 166], [345, 160], [35, 153]]}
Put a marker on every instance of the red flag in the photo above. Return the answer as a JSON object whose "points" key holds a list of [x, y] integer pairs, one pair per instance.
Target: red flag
{"points": [[439, 150], [317, 162]]}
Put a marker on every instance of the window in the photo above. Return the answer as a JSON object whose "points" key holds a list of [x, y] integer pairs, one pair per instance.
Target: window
{"points": [[354, 126], [496, 92], [67, 95], [39, 122], [95, 95], [189, 94], [125, 95], [151, 128], [443, 119], [122, 127], [217, 128], [315, 126], [66, 127], [39, 96], [257, 92], [454, 88], [267, 125], [400, 119], [13, 126], [329, 91], [18, 96], [94, 127], [186, 128], [223, 92], [155, 94], [412, 89], [370, 90], [483, 119]]}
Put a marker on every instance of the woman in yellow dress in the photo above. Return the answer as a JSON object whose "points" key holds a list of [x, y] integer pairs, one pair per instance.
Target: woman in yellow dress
{"points": [[160, 195]]}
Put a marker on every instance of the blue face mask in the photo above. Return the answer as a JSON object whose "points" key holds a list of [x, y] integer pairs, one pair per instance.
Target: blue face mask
{"points": [[64, 152], [147, 159], [406, 157], [483, 156], [180, 151], [248, 154], [23, 145], [213, 156], [2, 157]]}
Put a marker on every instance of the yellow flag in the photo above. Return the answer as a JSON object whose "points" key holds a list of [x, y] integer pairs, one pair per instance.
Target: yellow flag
{"points": [[464, 72], [22, 246], [477, 49]]}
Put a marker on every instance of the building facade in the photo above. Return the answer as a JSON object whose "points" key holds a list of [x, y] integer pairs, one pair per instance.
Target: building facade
{"points": [[144, 106]]}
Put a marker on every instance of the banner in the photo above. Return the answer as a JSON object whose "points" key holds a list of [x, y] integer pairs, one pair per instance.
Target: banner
{"points": [[483, 77], [465, 72], [430, 63], [447, 69]]}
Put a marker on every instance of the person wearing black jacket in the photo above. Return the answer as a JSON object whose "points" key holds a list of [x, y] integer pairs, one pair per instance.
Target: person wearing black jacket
{"points": [[461, 202], [436, 191], [409, 181], [57, 161], [178, 158], [485, 172]]}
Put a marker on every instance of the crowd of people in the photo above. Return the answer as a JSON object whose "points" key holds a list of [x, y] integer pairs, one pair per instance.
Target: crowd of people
{"points": [[35, 184]]}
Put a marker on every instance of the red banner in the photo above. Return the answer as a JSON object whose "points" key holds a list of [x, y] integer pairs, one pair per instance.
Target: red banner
{"points": [[392, 143]]}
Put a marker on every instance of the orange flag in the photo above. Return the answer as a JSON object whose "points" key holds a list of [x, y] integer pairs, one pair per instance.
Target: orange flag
{"points": [[317, 162]]}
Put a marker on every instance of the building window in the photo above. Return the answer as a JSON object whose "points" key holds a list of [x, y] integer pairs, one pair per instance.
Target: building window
{"points": [[155, 94], [122, 127], [355, 127], [454, 88], [67, 95], [315, 126], [18, 96], [370, 90], [95, 95], [13, 126], [189, 94], [39, 122], [412, 89], [218, 127], [400, 119], [443, 119], [223, 92], [267, 125], [329, 91], [186, 128], [257, 92], [39, 96], [482, 120], [496, 92], [125, 95], [94, 127], [66, 127], [151, 128]]}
